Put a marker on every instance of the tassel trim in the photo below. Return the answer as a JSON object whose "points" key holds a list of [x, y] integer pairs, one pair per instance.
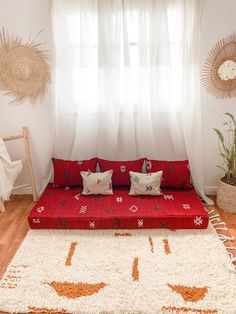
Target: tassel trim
{"points": [[219, 225]]}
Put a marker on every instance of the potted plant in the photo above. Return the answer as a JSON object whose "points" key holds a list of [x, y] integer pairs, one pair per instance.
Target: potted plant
{"points": [[226, 192]]}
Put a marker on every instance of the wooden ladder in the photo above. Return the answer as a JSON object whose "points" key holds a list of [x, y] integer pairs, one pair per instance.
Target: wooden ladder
{"points": [[27, 161]]}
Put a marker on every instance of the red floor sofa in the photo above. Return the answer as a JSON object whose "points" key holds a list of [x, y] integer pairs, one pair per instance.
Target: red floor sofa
{"points": [[63, 206]]}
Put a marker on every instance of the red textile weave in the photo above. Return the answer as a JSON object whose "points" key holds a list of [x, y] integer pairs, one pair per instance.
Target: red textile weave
{"points": [[67, 208], [176, 174], [121, 170], [67, 172]]}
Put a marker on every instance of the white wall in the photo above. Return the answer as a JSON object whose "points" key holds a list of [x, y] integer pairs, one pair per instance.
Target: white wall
{"points": [[27, 18], [218, 21]]}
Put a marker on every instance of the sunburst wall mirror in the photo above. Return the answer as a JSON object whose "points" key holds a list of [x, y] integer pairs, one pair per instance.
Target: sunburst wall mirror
{"points": [[219, 71]]}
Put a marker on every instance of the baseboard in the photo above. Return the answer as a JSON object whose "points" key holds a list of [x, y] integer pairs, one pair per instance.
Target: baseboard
{"points": [[210, 190], [27, 190]]}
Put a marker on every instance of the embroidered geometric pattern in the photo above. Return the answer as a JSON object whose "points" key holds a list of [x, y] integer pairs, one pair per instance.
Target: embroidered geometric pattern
{"points": [[133, 208], [140, 223], [148, 188], [122, 168], [83, 209], [36, 220], [136, 179], [148, 164], [58, 204], [92, 224], [77, 196], [168, 197], [186, 206], [198, 221], [40, 209]]}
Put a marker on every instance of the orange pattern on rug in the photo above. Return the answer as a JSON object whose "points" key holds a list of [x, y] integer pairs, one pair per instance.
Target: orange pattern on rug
{"points": [[167, 246], [72, 290], [151, 244], [135, 271], [190, 294], [71, 253], [187, 309], [13, 278], [125, 234], [19, 266], [197, 290], [45, 310]]}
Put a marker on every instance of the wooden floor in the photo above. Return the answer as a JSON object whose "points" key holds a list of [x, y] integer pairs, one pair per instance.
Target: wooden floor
{"points": [[14, 226], [229, 219]]}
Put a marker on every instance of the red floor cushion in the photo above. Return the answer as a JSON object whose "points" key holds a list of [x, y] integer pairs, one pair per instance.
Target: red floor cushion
{"points": [[67, 208], [121, 170], [176, 174], [67, 172]]}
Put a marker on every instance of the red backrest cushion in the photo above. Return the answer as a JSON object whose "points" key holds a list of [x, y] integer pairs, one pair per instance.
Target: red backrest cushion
{"points": [[176, 174], [67, 172], [121, 170]]}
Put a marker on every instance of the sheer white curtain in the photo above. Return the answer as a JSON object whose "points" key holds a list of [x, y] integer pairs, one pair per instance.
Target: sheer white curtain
{"points": [[127, 80]]}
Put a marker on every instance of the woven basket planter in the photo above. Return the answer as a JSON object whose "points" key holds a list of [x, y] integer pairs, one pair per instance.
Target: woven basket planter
{"points": [[226, 197]]}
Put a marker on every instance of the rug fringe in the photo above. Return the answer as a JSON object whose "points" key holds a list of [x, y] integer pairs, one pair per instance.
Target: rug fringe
{"points": [[210, 211], [224, 228], [218, 226], [226, 238], [215, 216], [230, 248], [220, 223]]}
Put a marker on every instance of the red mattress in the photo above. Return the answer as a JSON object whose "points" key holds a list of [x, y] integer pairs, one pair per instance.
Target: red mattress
{"points": [[67, 208]]}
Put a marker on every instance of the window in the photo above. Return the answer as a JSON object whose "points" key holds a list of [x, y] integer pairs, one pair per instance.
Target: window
{"points": [[120, 59]]}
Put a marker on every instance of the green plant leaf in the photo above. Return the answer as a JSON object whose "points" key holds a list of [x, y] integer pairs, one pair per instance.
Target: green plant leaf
{"points": [[232, 159], [220, 135], [223, 155], [227, 147], [231, 116], [221, 168]]}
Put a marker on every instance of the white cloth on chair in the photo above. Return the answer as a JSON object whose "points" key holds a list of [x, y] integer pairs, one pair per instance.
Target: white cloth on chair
{"points": [[9, 170]]}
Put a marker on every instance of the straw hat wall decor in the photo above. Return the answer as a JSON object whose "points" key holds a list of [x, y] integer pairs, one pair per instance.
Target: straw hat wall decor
{"points": [[219, 72], [24, 72]]}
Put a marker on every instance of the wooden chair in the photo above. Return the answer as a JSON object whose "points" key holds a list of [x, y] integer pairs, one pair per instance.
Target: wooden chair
{"points": [[27, 161]]}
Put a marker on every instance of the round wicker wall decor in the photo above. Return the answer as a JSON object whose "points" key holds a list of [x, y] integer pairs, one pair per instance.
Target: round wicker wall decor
{"points": [[24, 71], [219, 71]]}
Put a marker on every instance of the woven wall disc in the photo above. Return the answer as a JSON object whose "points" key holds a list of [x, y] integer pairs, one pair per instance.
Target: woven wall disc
{"points": [[219, 71], [24, 71]]}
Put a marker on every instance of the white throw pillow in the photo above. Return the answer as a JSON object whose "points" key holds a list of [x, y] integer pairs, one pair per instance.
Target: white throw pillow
{"points": [[145, 183], [97, 183]]}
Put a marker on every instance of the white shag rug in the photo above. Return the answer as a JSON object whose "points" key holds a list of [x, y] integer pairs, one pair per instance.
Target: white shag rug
{"points": [[120, 271]]}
